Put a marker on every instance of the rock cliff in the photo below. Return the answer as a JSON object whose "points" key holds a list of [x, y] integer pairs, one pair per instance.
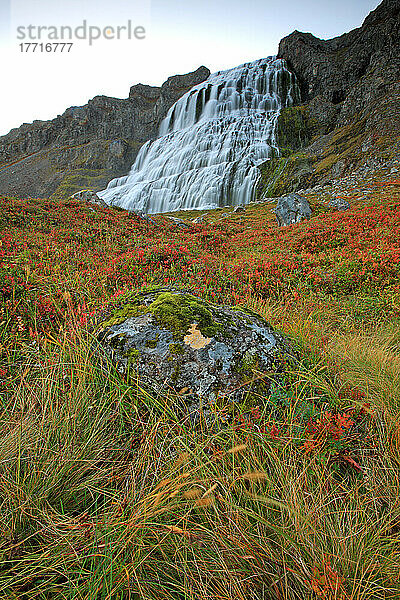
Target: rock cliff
{"points": [[350, 110], [342, 77], [87, 145], [349, 115]]}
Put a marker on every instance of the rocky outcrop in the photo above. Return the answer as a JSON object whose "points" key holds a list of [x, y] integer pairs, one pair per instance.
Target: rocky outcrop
{"points": [[87, 145], [173, 340], [175, 87], [342, 77], [350, 104], [90, 197]]}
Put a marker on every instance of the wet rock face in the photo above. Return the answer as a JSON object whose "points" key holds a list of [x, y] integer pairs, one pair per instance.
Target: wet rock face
{"points": [[291, 209], [171, 339]]}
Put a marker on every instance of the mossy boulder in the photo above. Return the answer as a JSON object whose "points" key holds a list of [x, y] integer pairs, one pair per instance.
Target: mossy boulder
{"points": [[171, 339]]}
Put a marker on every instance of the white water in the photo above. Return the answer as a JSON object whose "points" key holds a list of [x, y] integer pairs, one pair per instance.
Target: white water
{"points": [[210, 143]]}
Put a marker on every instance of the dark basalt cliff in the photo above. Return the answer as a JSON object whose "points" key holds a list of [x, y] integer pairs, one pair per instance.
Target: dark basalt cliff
{"points": [[341, 77], [350, 104], [88, 145]]}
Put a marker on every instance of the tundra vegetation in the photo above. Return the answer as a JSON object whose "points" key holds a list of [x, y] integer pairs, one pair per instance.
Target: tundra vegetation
{"points": [[107, 493]]}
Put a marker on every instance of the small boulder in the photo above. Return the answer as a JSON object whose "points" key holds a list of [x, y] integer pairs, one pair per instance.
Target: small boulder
{"points": [[239, 209], [89, 196], [144, 217], [177, 221], [339, 204], [291, 209], [199, 219], [171, 339]]}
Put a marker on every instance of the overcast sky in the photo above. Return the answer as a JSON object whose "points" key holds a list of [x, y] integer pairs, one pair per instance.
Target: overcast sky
{"points": [[180, 36]]}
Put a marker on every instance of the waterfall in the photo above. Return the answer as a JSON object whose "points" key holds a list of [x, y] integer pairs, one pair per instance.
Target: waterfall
{"points": [[210, 143]]}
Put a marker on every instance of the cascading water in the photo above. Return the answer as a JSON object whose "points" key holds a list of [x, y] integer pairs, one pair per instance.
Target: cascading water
{"points": [[210, 143]]}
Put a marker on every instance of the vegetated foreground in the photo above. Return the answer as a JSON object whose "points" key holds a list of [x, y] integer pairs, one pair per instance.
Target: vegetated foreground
{"points": [[106, 493]]}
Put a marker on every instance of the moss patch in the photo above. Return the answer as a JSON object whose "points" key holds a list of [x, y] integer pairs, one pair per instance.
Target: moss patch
{"points": [[176, 349], [344, 145], [247, 363], [78, 179], [294, 129], [282, 175], [294, 168], [133, 356], [173, 311], [152, 343]]}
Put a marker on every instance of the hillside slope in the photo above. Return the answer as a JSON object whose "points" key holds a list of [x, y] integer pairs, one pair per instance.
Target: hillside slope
{"points": [[109, 492], [87, 145]]}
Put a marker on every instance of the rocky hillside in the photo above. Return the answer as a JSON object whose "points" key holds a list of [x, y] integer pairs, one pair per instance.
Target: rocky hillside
{"points": [[350, 111], [342, 77], [87, 145], [348, 118]]}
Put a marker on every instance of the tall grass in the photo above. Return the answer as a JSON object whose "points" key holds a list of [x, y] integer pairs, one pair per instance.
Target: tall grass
{"points": [[107, 494]]}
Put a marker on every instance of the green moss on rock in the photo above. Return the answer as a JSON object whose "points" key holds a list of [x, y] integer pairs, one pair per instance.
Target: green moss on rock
{"points": [[294, 129], [132, 356], [247, 363], [79, 179], [130, 309], [151, 343], [176, 349], [282, 175], [173, 311], [177, 312]]}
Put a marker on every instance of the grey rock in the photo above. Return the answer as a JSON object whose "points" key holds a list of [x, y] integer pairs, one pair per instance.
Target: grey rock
{"points": [[291, 209], [239, 209], [199, 219], [172, 339], [339, 204], [89, 196], [178, 221]]}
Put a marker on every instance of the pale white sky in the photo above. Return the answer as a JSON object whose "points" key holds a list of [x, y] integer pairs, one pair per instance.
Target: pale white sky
{"points": [[181, 35]]}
